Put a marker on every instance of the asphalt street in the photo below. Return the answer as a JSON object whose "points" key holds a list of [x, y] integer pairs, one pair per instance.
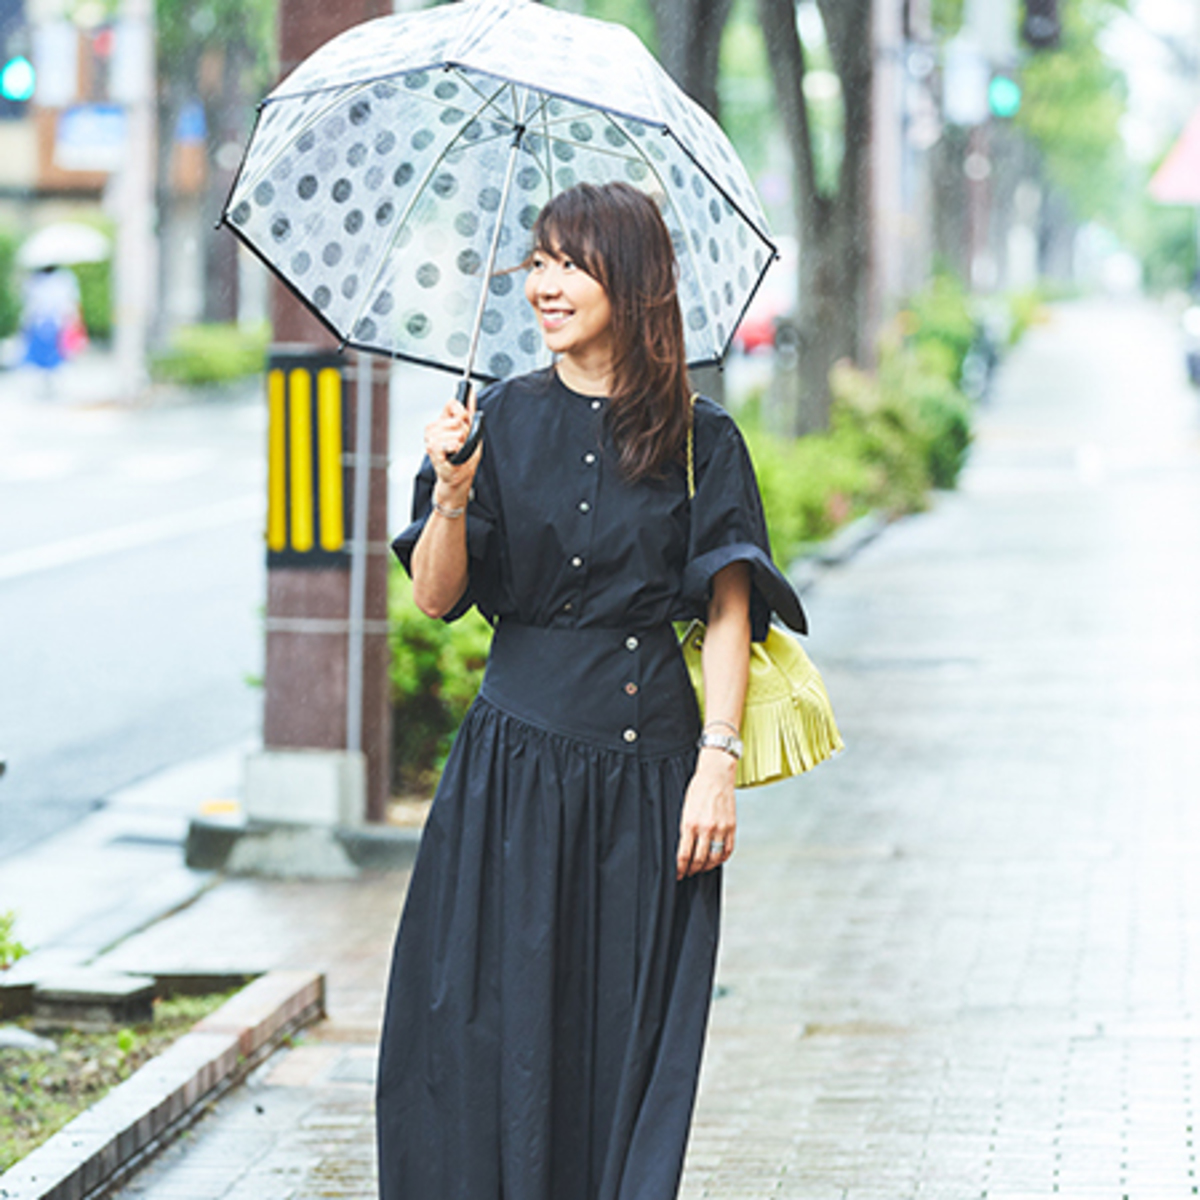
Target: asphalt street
{"points": [[132, 580]]}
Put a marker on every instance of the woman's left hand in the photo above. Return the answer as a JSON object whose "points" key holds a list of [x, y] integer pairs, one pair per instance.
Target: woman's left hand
{"points": [[709, 819]]}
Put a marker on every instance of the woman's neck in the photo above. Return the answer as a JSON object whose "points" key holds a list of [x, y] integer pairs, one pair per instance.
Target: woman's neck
{"points": [[588, 377]]}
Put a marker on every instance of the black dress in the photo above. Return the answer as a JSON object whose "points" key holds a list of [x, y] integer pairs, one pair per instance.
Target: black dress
{"points": [[551, 981]]}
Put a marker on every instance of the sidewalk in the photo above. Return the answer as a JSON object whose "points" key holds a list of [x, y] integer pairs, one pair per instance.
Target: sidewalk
{"points": [[957, 962]]}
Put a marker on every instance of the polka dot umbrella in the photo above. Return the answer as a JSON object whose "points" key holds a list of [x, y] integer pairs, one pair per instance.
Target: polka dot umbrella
{"points": [[393, 179]]}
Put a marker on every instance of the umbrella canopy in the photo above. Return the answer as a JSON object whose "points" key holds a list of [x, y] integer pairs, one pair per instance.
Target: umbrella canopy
{"points": [[393, 179], [61, 244]]}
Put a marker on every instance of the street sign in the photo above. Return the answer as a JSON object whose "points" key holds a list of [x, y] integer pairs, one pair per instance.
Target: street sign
{"points": [[91, 137]]}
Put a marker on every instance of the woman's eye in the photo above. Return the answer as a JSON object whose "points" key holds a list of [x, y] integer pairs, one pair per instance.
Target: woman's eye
{"points": [[568, 265]]}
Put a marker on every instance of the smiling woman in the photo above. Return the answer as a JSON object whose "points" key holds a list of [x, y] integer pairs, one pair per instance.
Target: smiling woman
{"points": [[553, 970], [574, 314]]}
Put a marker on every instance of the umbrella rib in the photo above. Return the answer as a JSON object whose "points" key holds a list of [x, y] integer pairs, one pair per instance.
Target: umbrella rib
{"points": [[418, 191], [290, 142], [666, 191]]}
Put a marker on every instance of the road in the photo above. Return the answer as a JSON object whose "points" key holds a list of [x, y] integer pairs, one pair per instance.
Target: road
{"points": [[132, 584]]}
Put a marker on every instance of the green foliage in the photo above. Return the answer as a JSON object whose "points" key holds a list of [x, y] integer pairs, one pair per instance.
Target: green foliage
{"points": [[40, 1093], [208, 354], [1163, 236], [747, 94], [436, 668], [940, 325], [95, 298], [10, 296], [947, 17], [810, 486], [1025, 309], [1074, 99], [10, 948], [186, 29], [893, 434]]}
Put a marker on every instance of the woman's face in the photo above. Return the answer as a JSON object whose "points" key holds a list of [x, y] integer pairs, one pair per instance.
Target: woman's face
{"points": [[573, 308]]}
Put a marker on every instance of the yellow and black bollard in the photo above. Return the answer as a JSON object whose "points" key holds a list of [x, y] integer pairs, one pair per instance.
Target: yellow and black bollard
{"points": [[307, 476]]}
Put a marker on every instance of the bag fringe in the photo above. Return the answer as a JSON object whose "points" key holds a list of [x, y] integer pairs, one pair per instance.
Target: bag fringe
{"points": [[788, 736]]}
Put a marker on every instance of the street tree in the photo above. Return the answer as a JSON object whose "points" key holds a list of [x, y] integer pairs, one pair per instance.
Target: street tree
{"points": [[218, 53], [689, 45], [833, 219]]}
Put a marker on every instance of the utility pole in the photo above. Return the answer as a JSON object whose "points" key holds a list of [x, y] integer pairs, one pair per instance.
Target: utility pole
{"points": [[132, 85], [327, 718]]}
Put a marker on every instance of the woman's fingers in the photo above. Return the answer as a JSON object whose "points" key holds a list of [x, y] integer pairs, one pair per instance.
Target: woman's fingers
{"points": [[445, 435], [683, 857], [702, 850]]}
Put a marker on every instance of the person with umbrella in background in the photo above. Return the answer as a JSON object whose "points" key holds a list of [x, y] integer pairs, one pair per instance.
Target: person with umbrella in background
{"points": [[551, 983], [553, 971]]}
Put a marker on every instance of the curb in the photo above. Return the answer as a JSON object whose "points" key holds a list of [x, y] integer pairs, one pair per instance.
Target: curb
{"points": [[104, 1145], [836, 550], [210, 846]]}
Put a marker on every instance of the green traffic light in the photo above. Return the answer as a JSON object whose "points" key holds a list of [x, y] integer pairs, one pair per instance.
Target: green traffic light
{"points": [[17, 79], [1004, 96]]}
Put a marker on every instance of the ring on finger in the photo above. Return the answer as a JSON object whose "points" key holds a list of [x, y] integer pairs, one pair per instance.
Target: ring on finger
{"points": [[717, 847]]}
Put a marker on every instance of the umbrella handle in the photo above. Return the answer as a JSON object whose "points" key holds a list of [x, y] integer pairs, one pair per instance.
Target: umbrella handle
{"points": [[468, 447]]}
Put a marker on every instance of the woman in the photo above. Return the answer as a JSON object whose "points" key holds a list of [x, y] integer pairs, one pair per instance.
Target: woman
{"points": [[551, 982]]}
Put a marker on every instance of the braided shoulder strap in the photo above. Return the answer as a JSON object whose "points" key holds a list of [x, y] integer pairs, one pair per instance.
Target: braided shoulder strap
{"points": [[691, 466]]}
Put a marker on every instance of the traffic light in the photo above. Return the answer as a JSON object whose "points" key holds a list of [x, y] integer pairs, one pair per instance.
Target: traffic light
{"points": [[1004, 96], [17, 79], [1041, 27], [16, 71]]}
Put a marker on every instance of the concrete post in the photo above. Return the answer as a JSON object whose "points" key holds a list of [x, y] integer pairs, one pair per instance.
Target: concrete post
{"points": [[308, 608]]}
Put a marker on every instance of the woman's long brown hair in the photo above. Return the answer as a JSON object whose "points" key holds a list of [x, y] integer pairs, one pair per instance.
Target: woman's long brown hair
{"points": [[618, 236]]}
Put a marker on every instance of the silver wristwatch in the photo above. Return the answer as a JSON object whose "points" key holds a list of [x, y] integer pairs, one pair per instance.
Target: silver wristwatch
{"points": [[729, 742]]}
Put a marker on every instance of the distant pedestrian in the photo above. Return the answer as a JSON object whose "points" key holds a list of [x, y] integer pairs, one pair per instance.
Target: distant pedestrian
{"points": [[553, 972], [51, 324]]}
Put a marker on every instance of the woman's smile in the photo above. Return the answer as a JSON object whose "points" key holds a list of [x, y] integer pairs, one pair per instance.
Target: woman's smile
{"points": [[573, 310]]}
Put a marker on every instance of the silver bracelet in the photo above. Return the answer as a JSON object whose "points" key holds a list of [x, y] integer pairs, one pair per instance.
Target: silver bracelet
{"points": [[728, 724], [451, 514]]}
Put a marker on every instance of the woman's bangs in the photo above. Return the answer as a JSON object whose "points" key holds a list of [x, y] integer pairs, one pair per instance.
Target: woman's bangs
{"points": [[566, 231]]}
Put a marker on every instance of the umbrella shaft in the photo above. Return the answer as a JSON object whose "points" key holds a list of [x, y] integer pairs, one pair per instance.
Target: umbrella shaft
{"points": [[518, 134]]}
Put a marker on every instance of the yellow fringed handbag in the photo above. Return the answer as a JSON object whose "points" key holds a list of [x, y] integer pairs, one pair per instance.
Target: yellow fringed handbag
{"points": [[787, 721]]}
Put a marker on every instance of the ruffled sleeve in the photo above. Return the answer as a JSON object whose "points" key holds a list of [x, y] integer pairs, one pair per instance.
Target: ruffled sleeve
{"points": [[727, 525], [483, 543]]}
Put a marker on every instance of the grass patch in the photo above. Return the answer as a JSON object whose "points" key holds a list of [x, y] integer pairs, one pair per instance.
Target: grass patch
{"points": [[40, 1093]]}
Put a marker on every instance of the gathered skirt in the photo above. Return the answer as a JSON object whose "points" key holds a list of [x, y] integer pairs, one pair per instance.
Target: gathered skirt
{"points": [[551, 981]]}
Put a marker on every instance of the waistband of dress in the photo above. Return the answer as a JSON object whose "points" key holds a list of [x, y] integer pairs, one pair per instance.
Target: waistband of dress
{"points": [[625, 690]]}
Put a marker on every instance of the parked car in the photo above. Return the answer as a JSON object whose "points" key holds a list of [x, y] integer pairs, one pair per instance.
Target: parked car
{"points": [[775, 298]]}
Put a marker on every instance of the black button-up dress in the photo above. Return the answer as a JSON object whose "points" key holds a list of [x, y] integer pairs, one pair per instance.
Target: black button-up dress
{"points": [[551, 981]]}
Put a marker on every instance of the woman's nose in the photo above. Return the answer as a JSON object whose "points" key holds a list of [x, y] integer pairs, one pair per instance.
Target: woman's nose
{"points": [[547, 282]]}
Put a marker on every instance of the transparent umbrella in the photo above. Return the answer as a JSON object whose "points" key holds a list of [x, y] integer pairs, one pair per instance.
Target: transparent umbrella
{"points": [[392, 180]]}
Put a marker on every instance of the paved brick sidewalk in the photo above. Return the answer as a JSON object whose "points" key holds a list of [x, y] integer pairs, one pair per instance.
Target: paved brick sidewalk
{"points": [[960, 962]]}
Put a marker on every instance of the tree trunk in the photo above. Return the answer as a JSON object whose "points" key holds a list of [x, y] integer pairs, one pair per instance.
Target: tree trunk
{"points": [[689, 45], [169, 105], [224, 113], [834, 229]]}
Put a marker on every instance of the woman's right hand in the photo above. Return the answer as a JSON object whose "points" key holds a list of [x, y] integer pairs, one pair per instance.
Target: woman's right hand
{"points": [[443, 437]]}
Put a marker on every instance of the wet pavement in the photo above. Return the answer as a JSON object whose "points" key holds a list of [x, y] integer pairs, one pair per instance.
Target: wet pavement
{"points": [[960, 961]]}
